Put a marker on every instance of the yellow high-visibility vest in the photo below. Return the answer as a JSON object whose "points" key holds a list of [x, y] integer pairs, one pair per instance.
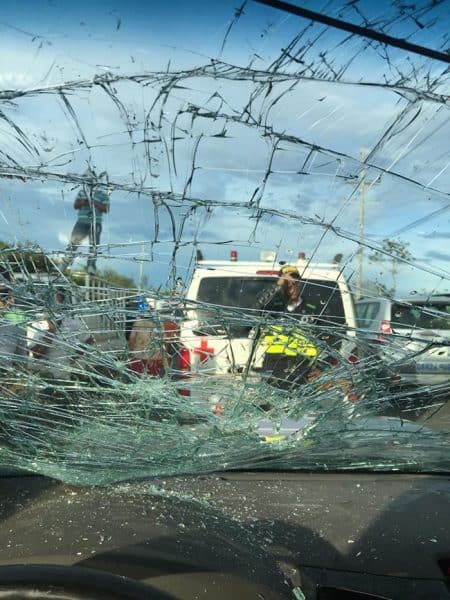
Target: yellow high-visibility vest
{"points": [[294, 343]]}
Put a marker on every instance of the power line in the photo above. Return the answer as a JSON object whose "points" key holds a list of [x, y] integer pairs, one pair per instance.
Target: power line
{"points": [[357, 29]]}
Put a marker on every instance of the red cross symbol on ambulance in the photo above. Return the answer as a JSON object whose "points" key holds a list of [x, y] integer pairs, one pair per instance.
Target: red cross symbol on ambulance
{"points": [[203, 351]]}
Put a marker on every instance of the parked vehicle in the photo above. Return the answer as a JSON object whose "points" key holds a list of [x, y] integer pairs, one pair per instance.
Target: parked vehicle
{"points": [[218, 336], [411, 336]]}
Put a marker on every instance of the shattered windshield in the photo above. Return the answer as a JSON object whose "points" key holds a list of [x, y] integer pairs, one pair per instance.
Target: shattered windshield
{"points": [[202, 206]]}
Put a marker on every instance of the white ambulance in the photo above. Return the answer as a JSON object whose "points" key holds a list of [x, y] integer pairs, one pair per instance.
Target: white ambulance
{"points": [[218, 345]]}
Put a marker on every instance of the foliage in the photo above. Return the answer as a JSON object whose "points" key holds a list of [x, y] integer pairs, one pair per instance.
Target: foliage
{"points": [[108, 275], [29, 257], [116, 279], [393, 251], [25, 256], [392, 248]]}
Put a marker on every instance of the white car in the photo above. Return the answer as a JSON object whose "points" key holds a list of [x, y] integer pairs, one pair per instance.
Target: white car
{"points": [[411, 336]]}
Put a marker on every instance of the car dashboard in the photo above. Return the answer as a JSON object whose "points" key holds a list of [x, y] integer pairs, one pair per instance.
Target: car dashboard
{"points": [[321, 536]]}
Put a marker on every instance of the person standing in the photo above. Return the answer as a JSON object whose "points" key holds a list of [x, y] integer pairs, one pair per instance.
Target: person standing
{"points": [[66, 339], [91, 202], [145, 345], [12, 332], [290, 350], [153, 343]]}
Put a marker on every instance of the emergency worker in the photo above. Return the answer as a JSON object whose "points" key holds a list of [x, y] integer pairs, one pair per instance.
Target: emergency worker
{"points": [[291, 350]]}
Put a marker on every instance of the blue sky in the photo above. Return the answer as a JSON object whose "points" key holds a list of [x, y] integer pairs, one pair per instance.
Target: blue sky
{"points": [[51, 43]]}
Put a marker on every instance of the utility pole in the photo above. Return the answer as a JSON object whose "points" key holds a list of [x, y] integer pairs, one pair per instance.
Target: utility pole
{"points": [[141, 269], [362, 182]]}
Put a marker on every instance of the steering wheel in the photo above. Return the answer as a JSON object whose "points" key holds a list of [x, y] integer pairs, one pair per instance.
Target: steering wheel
{"points": [[54, 582]]}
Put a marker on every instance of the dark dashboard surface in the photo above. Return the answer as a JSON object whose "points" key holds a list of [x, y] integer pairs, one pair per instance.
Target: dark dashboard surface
{"points": [[243, 535]]}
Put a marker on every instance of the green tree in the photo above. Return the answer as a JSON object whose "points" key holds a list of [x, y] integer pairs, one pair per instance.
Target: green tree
{"points": [[116, 279], [28, 257], [112, 277], [394, 252], [24, 257]]}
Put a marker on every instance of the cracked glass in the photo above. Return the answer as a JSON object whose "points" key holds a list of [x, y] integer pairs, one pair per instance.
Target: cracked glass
{"points": [[224, 238]]}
